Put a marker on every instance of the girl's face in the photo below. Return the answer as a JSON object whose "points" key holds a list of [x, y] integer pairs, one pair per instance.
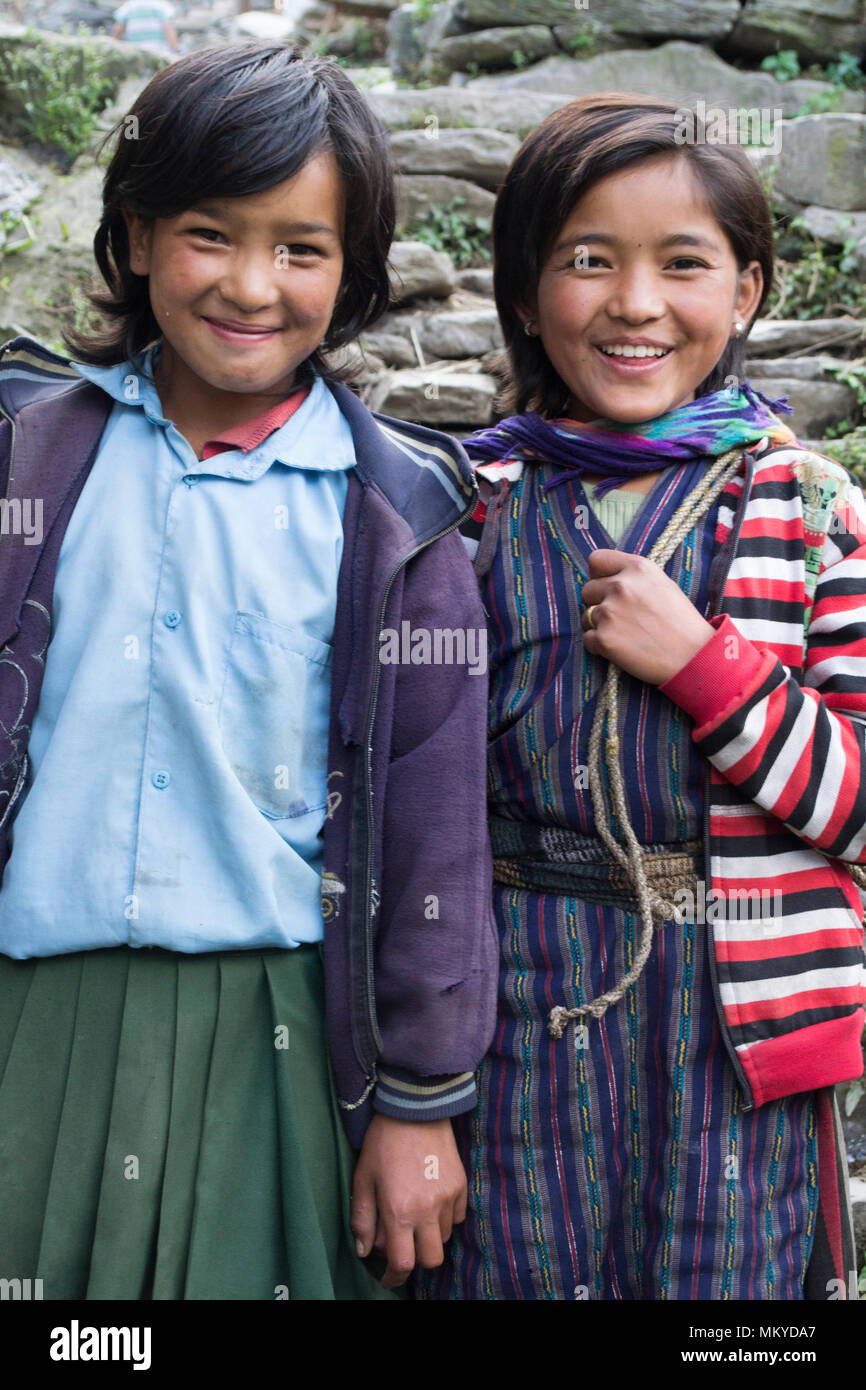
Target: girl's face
{"points": [[243, 289], [640, 262]]}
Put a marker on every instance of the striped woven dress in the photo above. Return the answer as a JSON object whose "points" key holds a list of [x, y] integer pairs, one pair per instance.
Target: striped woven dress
{"points": [[617, 1162]]}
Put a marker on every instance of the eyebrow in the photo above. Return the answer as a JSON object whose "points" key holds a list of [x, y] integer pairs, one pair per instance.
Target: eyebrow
{"points": [[215, 211], [599, 238]]}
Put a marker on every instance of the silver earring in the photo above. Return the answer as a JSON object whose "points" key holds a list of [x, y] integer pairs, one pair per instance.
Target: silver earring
{"points": [[739, 327], [527, 328]]}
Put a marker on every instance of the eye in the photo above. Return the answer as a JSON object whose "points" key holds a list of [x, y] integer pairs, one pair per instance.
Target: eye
{"points": [[301, 248], [688, 263], [585, 261], [204, 232]]}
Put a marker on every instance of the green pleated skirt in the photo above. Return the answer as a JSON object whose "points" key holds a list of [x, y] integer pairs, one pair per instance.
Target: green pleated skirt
{"points": [[169, 1128]]}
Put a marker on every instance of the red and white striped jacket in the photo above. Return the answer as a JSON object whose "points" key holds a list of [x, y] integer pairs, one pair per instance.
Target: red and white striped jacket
{"points": [[778, 697]]}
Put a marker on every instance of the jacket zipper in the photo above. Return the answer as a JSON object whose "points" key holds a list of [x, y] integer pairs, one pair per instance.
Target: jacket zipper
{"points": [[714, 976], [15, 795], [372, 1037]]}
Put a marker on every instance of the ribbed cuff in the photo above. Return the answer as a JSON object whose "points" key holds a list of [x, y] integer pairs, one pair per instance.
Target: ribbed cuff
{"points": [[405, 1096], [716, 674]]}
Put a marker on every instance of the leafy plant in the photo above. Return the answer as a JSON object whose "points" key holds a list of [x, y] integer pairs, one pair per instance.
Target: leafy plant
{"points": [[54, 93], [845, 71], [784, 65], [10, 222], [813, 280], [821, 102], [586, 38], [366, 44], [423, 9], [519, 58], [463, 236]]}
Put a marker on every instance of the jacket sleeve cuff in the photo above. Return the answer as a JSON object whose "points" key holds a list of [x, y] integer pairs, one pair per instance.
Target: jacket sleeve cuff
{"points": [[716, 675], [405, 1096]]}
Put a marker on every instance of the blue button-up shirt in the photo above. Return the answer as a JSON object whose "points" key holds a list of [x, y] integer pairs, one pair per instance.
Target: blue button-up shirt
{"points": [[178, 754]]}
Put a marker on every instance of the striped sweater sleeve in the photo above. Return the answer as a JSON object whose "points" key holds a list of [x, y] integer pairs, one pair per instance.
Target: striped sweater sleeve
{"points": [[796, 751]]}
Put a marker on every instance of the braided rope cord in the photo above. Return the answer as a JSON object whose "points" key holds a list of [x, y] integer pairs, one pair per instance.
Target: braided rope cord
{"points": [[650, 903]]}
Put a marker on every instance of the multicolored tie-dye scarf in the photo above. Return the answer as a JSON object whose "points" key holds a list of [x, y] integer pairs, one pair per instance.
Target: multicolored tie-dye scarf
{"points": [[710, 426]]}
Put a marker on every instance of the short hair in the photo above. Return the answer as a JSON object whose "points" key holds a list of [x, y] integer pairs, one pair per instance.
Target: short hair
{"points": [[227, 122], [578, 144]]}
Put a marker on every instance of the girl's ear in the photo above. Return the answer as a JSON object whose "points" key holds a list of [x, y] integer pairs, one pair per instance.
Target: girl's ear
{"points": [[139, 236], [751, 284], [525, 309]]}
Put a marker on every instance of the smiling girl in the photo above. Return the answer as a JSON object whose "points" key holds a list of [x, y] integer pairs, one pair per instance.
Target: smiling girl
{"points": [[676, 597], [219, 974]]}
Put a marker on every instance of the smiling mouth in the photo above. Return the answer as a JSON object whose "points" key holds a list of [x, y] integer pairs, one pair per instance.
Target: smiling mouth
{"points": [[629, 350], [247, 331]]}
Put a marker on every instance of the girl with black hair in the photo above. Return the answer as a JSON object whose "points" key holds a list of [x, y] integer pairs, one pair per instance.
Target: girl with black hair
{"points": [[676, 596], [230, 953]]}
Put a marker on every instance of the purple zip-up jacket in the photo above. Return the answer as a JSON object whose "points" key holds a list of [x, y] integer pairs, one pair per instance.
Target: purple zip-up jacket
{"points": [[410, 946]]}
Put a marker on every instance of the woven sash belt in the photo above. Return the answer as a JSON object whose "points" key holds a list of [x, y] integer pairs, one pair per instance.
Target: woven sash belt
{"points": [[550, 859]]}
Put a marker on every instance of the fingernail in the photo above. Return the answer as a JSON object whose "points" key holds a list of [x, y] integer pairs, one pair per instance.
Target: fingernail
{"points": [[359, 1248]]}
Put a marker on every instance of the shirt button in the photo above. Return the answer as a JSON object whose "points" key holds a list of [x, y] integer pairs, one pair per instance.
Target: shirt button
{"points": [[172, 618], [191, 478], [161, 779]]}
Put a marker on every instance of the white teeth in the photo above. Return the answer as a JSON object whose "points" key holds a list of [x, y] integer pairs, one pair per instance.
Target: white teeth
{"points": [[626, 350]]}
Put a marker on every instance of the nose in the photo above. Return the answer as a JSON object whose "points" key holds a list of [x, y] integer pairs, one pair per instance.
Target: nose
{"points": [[637, 295], [251, 280]]}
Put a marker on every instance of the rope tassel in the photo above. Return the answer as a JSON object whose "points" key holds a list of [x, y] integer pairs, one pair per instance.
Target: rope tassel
{"points": [[651, 904]]}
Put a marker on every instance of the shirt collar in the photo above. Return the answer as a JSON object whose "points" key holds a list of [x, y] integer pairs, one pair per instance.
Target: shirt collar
{"points": [[287, 433]]}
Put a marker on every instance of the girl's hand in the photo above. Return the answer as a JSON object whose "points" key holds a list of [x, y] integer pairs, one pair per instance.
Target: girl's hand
{"points": [[643, 620], [409, 1190]]}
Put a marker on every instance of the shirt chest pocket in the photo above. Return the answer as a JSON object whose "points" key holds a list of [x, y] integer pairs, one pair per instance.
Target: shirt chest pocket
{"points": [[273, 715]]}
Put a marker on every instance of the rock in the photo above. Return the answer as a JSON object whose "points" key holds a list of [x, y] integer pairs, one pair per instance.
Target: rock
{"points": [[711, 19], [491, 48], [59, 263], [830, 225], [418, 193], [268, 28], [377, 7], [410, 36], [477, 281], [479, 14], [854, 1127], [679, 72], [770, 336], [439, 399], [393, 348], [416, 269], [816, 404], [480, 155], [21, 180], [345, 40], [823, 160], [417, 338], [460, 333], [582, 40], [858, 1207], [517, 112], [366, 363], [818, 32], [792, 368]]}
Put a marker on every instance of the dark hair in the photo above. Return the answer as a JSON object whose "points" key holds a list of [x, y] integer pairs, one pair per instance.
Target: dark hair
{"points": [[227, 122], [578, 144]]}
